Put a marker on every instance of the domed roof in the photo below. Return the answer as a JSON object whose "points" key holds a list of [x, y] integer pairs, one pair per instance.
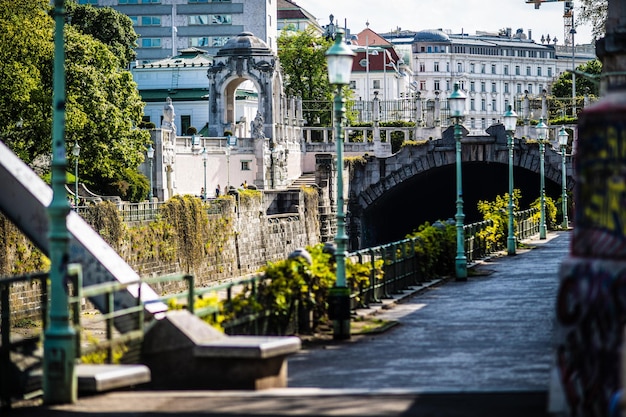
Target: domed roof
{"points": [[244, 44], [431, 35]]}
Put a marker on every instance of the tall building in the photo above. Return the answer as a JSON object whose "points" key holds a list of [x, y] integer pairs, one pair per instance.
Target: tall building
{"points": [[167, 26], [494, 69]]}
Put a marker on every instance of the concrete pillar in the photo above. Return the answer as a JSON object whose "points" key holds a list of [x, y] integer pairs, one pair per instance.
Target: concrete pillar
{"points": [[591, 301]]}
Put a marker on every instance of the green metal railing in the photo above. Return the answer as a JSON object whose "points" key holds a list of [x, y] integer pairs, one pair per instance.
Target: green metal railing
{"points": [[400, 263]]}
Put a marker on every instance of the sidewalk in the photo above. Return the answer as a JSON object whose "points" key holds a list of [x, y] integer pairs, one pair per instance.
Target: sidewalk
{"points": [[476, 348]]}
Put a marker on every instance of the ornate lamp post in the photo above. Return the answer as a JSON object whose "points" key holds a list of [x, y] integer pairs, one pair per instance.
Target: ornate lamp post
{"points": [[339, 58], [76, 153], [150, 154], [456, 101], [563, 138], [510, 122], [227, 169], [59, 372], [542, 134], [204, 158]]}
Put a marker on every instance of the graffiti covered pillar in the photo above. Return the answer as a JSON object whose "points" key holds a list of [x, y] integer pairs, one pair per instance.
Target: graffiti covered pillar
{"points": [[591, 303]]}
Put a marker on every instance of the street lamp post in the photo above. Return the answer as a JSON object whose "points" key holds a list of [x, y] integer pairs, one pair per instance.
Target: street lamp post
{"points": [[204, 158], [339, 58], [76, 153], [510, 122], [573, 32], [59, 379], [542, 132], [227, 168], [563, 138], [150, 154], [456, 101]]}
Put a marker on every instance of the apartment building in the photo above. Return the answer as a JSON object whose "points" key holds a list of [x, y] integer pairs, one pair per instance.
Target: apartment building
{"points": [[167, 26]]}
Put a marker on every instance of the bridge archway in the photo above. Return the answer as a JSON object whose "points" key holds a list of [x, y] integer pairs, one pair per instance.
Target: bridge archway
{"points": [[389, 197]]}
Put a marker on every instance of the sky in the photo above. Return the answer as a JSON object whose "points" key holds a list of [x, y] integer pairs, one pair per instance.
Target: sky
{"points": [[466, 16]]}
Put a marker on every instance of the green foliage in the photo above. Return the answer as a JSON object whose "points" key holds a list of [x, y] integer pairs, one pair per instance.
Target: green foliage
{"points": [[105, 219], [495, 235], [593, 12], [189, 221], [99, 355], [435, 248], [303, 61], [550, 212], [103, 106], [562, 87], [19, 255], [110, 27]]}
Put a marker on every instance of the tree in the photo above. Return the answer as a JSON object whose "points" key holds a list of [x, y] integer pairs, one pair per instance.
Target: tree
{"points": [[595, 13], [562, 87], [303, 62], [103, 106], [108, 26]]}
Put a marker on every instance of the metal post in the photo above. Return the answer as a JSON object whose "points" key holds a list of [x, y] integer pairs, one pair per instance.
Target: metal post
{"points": [[341, 324], [542, 220], [573, 32], [204, 163], [59, 375], [564, 187], [460, 260], [76, 183], [151, 195], [510, 241]]}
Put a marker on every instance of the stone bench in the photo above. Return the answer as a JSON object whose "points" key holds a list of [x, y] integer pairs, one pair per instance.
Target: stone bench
{"points": [[99, 378], [183, 352]]}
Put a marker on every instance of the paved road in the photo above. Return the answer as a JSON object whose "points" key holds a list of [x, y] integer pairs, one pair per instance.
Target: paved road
{"points": [[478, 348], [491, 333]]}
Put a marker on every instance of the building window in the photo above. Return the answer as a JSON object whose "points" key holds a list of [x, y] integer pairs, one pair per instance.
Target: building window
{"points": [[218, 41], [482, 68], [376, 84], [517, 70], [185, 123], [472, 68], [549, 71], [447, 67], [352, 85], [436, 85], [422, 85], [472, 104], [92, 2], [138, 1], [519, 88], [150, 42], [148, 21], [539, 71], [459, 67], [422, 67], [483, 105], [473, 123], [506, 70], [483, 123], [494, 106], [210, 19], [528, 70], [245, 165], [493, 87], [200, 42], [436, 66], [482, 87], [506, 88], [447, 85], [530, 88], [506, 104], [493, 68], [472, 86]]}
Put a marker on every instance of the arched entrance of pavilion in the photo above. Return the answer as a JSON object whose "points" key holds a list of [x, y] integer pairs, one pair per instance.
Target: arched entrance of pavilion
{"points": [[247, 58]]}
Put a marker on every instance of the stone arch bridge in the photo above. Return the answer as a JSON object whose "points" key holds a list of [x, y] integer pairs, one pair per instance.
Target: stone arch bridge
{"points": [[389, 197]]}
